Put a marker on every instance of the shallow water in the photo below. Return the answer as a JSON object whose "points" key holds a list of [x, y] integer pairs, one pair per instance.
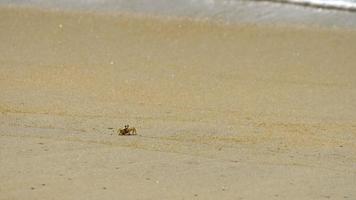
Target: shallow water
{"points": [[227, 11]]}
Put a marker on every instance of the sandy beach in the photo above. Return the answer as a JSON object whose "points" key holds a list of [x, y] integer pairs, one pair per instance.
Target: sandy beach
{"points": [[222, 111]]}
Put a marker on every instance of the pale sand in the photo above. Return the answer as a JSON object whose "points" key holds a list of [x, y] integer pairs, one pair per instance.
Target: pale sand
{"points": [[222, 112]]}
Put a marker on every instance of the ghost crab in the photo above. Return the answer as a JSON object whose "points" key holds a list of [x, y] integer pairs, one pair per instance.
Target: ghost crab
{"points": [[127, 130]]}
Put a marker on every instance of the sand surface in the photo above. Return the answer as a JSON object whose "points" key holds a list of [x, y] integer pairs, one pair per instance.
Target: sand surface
{"points": [[222, 111]]}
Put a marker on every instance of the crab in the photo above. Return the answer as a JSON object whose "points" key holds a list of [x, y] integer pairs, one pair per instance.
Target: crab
{"points": [[127, 130]]}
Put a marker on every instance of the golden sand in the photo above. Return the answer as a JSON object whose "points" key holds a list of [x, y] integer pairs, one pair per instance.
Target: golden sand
{"points": [[222, 111]]}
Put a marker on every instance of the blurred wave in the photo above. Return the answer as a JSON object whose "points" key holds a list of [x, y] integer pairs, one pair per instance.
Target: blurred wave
{"points": [[313, 12], [346, 5]]}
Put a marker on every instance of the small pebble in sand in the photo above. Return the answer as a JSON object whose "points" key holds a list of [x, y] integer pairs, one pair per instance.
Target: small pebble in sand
{"points": [[60, 26]]}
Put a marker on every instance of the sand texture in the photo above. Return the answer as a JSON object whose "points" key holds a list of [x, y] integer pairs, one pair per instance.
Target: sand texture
{"points": [[222, 111]]}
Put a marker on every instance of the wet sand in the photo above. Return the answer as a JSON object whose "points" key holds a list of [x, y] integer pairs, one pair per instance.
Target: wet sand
{"points": [[222, 111]]}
